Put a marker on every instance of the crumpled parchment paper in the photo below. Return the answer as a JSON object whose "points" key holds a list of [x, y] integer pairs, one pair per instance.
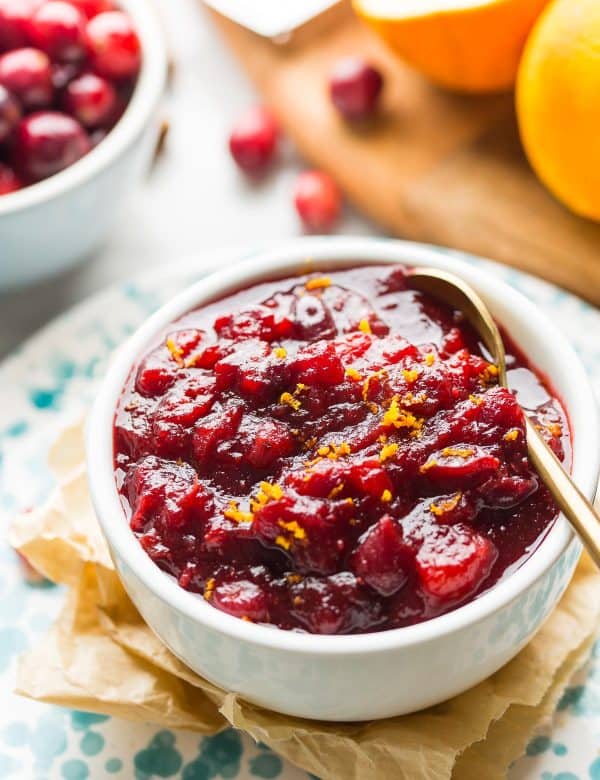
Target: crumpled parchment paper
{"points": [[101, 656]]}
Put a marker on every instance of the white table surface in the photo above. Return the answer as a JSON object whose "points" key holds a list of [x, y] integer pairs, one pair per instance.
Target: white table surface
{"points": [[194, 200]]}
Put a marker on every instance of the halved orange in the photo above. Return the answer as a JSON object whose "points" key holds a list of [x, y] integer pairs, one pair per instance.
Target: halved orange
{"points": [[464, 45]]}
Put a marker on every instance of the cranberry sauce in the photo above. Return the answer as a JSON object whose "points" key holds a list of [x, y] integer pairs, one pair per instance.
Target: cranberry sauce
{"points": [[332, 454]]}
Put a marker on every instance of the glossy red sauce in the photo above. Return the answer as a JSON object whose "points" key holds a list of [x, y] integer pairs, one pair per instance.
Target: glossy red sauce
{"points": [[332, 454]]}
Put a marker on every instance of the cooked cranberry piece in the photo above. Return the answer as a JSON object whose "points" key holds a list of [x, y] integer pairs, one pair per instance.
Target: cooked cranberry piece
{"points": [[14, 22], [354, 87], [313, 319], [213, 429], [58, 28], [317, 200], [256, 322], [382, 559], [10, 114], [28, 75], [9, 181], [177, 413], [156, 372], [47, 142], [242, 599], [459, 465], [253, 141], [272, 440], [453, 562], [334, 605], [165, 491], [114, 45], [93, 7], [306, 530], [91, 100], [318, 364]]}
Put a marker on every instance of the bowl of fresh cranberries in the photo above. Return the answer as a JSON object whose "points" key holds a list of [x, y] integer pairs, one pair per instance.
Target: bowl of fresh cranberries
{"points": [[80, 86], [317, 494]]}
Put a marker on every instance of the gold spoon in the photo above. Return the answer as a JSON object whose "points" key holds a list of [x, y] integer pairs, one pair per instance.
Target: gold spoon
{"points": [[577, 509]]}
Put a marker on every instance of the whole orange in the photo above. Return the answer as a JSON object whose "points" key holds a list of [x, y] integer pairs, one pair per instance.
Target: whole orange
{"points": [[558, 103]]}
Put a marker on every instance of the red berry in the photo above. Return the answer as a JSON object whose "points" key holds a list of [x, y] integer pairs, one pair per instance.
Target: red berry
{"points": [[454, 561], [58, 28], [317, 200], [10, 114], [253, 141], [93, 7], [14, 22], [9, 181], [46, 142], [354, 87], [27, 73], [91, 100], [114, 45]]}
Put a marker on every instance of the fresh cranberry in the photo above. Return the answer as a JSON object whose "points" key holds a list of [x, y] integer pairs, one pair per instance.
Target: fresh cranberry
{"points": [[317, 200], [27, 73], [253, 141], [10, 114], [48, 141], [58, 28], [93, 7], [9, 181], [14, 22], [90, 99], [114, 45], [354, 87]]}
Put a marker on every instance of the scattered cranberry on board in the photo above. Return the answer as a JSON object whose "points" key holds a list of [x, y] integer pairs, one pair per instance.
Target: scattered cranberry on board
{"points": [[253, 141], [67, 71], [317, 200], [355, 87]]}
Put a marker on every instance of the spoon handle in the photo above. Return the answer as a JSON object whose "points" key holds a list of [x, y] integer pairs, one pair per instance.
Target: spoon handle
{"points": [[574, 505]]}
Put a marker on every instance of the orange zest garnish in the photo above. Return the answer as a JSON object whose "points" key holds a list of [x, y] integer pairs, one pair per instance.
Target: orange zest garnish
{"points": [[176, 352], [410, 374], [209, 588], [352, 373], [317, 283], [289, 400], [235, 514], [445, 506], [457, 452], [400, 418], [387, 452]]}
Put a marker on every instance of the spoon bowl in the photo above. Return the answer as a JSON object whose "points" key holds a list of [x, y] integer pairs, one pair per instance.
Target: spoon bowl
{"points": [[453, 290]]}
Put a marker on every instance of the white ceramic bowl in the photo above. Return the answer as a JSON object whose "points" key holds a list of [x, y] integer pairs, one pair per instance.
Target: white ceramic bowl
{"points": [[371, 675], [48, 226]]}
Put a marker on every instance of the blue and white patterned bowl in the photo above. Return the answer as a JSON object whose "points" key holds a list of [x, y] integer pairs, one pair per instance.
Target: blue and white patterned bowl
{"points": [[372, 675]]}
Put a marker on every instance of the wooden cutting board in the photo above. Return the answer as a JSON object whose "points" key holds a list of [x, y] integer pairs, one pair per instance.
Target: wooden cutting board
{"points": [[432, 167]]}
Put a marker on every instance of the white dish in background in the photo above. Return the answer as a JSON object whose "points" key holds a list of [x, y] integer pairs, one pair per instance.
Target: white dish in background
{"points": [[372, 675], [48, 226]]}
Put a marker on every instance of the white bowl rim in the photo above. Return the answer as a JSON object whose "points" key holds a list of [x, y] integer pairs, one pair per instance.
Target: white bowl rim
{"points": [[146, 95], [291, 257]]}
